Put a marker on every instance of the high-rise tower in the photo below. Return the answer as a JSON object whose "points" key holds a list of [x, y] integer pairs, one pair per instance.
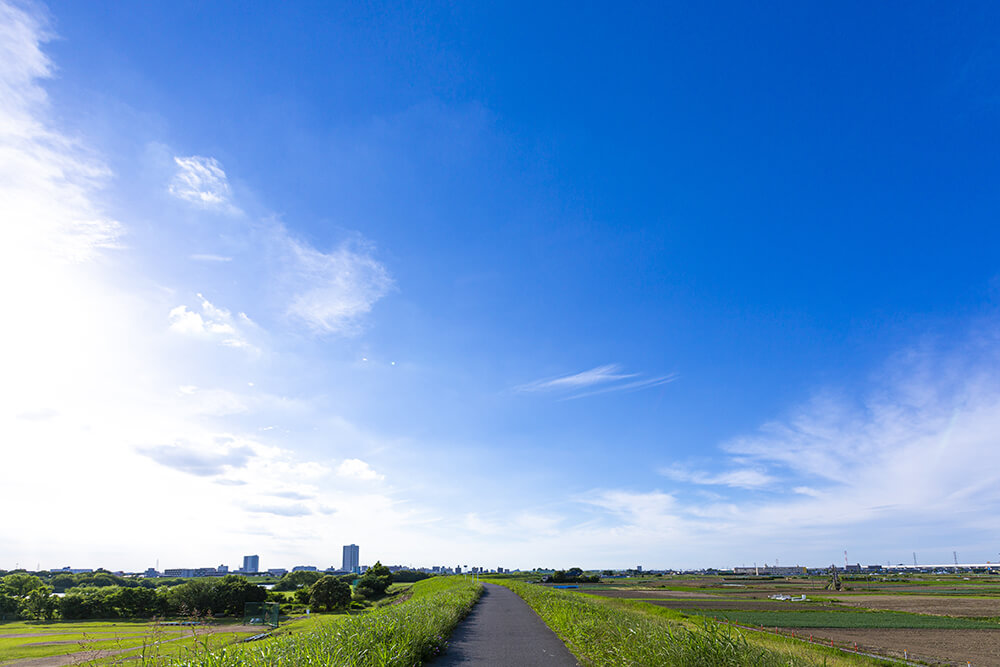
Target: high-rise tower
{"points": [[351, 560], [251, 564]]}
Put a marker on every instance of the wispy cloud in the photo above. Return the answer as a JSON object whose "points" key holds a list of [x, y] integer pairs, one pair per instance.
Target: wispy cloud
{"points": [[599, 380], [210, 258], [214, 402], [202, 181], [913, 456], [358, 469], [744, 478], [331, 292], [292, 510], [48, 180]]}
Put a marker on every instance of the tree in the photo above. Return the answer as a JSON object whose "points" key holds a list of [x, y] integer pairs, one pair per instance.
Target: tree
{"points": [[61, 582], [9, 607], [302, 595], [329, 593], [374, 581], [232, 592], [39, 604], [294, 580], [19, 585]]}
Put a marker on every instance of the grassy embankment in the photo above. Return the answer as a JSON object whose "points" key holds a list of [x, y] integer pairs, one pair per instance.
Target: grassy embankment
{"points": [[617, 632], [402, 634]]}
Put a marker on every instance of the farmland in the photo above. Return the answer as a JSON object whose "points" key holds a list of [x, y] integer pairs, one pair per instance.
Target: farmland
{"points": [[612, 632], [940, 619]]}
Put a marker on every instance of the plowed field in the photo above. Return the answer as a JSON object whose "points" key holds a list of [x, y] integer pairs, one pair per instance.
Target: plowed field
{"points": [[944, 647], [927, 604]]}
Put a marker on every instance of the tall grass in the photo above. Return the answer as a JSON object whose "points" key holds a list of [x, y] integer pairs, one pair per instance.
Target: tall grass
{"points": [[611, 632], [405, 634]]}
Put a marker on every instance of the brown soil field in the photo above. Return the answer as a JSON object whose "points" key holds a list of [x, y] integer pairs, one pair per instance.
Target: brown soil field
{"points": [[943, 647], [654, 593], [739, 605], [927, 604]]}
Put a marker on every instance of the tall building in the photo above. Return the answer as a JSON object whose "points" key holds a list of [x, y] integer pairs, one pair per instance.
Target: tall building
{"points": [[251, 564], [351, 561]]}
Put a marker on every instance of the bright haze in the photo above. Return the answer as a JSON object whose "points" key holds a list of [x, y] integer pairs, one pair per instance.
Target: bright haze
{"points": [[520, 285]]}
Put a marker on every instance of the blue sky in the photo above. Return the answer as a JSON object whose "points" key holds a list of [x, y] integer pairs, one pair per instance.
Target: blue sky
{"points": [[508, 285]]}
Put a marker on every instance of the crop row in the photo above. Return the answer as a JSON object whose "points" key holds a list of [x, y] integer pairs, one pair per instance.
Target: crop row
{"points": [[846, 619]]}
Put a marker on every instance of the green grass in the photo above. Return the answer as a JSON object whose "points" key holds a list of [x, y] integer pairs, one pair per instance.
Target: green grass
{"points": [[87, 637], [845, 619], [601, 631], [404, 634]]}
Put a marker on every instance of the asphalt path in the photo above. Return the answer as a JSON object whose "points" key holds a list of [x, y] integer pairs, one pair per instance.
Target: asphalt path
{"points": [[503, 630]]}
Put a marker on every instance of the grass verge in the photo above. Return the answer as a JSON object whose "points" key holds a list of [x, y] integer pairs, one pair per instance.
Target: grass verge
{"points": [[405, 634], [601, 631]]}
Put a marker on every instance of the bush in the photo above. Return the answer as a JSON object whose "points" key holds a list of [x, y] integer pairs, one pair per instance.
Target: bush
{"points": [[374, 582], [329, 593]]}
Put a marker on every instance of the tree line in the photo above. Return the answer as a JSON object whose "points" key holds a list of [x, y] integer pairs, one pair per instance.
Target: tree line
{"points": [[27, 596], [95, 595]]}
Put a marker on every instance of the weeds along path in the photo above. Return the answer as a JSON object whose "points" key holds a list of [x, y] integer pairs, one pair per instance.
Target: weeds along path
{"points": [[604, 632], [503, 630], [403, 635]]}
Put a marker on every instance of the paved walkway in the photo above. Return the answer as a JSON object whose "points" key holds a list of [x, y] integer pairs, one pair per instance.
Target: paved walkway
{"points": [[503, 630]]}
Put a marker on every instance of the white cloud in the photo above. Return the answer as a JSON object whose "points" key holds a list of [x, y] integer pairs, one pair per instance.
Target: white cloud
{"points": [[48, 181], [358, 469], [90, 379], [331, 292], [202, 459], [203, 182], [213, 323], [599, 380]]}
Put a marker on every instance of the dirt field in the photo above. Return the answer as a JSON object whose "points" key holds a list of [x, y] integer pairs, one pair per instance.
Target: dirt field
{"points": [[738, 605], [945, 647], [654, 593], [927, 604]]}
